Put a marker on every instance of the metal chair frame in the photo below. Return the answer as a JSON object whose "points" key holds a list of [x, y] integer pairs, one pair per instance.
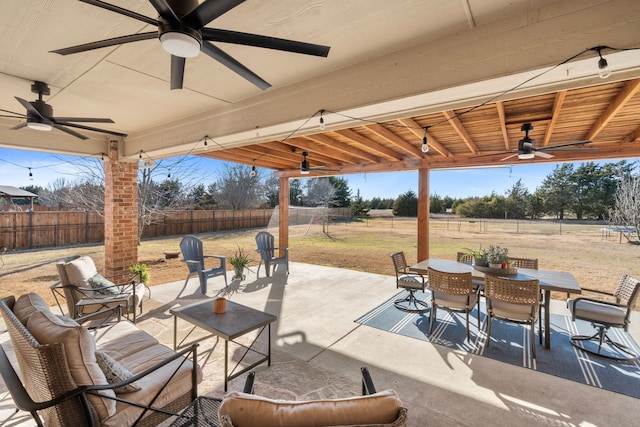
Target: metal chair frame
{"points": [[411, 282]]}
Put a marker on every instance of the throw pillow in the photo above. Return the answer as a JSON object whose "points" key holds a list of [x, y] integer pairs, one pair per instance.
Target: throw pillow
{"points": [[103, 286], [115, 372], [66, 320]]}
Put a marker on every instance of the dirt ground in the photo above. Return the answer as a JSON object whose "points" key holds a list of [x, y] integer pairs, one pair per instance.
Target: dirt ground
{"points": [[595, 261]]}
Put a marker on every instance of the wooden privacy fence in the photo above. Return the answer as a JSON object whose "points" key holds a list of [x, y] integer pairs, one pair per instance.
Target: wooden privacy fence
{"points": [[41, 229]]}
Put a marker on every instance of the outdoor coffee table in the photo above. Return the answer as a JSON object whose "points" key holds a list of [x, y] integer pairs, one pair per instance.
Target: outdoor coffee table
{"points": [[235, 322]]}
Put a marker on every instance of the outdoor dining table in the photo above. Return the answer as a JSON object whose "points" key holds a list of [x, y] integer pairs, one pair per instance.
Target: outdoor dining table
{"points": [[549, 281]]}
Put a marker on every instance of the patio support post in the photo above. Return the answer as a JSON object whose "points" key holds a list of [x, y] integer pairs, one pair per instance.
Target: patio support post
{"points": [[283, 214], [423, 214], [120, 212]]}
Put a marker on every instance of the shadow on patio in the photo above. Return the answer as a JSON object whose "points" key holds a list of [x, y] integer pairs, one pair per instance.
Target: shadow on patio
{"points": [[318, 349]]}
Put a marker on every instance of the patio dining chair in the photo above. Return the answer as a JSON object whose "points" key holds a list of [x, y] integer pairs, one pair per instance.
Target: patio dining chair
{"points": [[267, 250], [453, 292], [193, 256], [409, 281], [514, 301], [605, 314]]}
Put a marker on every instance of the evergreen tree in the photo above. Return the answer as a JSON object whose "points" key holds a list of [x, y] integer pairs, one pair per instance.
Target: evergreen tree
{"points": [[406, 205], [359, 207]]}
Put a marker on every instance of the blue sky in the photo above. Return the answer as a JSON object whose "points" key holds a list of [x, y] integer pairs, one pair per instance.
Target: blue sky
{"points": [[47, 167]]}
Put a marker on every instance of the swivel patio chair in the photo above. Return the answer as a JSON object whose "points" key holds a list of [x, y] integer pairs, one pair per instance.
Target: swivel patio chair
{"points": [[373, 408], [267, 251], [513, 301], [605, 314], [193, 256], [409, 281], [453, 292]]}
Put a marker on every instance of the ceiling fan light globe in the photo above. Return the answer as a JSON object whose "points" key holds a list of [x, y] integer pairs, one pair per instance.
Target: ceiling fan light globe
{"points": [[180, 44], [527, 156], [44, 127]]}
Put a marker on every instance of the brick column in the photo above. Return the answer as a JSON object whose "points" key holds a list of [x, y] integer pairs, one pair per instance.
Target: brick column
{"points": [[120, 212]]}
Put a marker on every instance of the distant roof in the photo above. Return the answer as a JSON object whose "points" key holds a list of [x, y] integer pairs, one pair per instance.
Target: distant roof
{"points": [[7, 190]]}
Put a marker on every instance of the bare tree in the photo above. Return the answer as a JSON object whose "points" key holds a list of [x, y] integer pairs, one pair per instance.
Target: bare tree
{"points": [[237, 187], [321, 193], [626, 211]]}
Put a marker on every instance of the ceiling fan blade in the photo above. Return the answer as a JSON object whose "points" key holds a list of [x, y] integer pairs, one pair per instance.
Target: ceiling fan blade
{"points": [[543, 154], [30, 108], [226, 36], [69, 131], [566, 144], [106, 43], [233, 65], [570, 149], [208, 11], [121, 11], [11, 112], [81, 119], [19, 126], [164, 10], [11, 117], [91, 128], [508, 157], [177, 71]]}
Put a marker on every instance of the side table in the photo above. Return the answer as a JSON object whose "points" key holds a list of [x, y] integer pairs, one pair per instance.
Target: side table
{"points": [[201, 412]]}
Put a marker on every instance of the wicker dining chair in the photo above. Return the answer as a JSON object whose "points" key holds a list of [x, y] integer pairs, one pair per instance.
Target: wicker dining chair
{"points": [[453, 292], [531, 263], [512, 300]]}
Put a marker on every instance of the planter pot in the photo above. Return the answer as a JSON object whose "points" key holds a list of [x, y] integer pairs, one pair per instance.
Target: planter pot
{"points": [[495, 265], [479, 262], [238, 273]]}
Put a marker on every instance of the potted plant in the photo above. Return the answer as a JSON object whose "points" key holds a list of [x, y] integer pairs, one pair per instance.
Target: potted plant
{"points": [[479, 256], [142, 271], [239, 260], [496, 255]]}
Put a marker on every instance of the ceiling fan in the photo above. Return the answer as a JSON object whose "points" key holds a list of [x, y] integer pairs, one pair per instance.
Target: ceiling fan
{"points": [[40, 116], [527, 149], [305, 168], [182, 33]]}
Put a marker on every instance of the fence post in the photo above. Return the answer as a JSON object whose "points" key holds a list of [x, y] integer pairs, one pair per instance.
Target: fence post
{"points": [[31, 229], [86, 225], [190, 221]]}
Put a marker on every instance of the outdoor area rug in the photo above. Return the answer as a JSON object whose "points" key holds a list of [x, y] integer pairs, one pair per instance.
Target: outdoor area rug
{"points": [[510, 343]]}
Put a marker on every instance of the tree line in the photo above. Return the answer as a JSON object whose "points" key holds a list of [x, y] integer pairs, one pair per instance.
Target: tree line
{"points": [[585, 191]]}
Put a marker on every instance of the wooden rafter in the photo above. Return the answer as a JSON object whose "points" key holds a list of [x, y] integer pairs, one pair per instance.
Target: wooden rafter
{"points": [[369, 144], [630, 89], [458, 126], [395, 139], [503, 125], [555, 113]]}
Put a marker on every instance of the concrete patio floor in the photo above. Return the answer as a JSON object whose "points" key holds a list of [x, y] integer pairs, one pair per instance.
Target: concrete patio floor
{"points": [[318, 349]]}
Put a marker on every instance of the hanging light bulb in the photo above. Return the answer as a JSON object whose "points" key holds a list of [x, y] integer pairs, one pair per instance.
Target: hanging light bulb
{"points": [[603, 66], [425, 142], [169, 174], [206, 146], [30, 174], [322, 125], [253, 172], [140, 156]]}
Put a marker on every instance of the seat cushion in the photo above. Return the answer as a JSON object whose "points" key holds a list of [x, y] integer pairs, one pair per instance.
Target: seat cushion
{"points": [[517, 312], [79, 347], [594, 311], [248, 410], [457, 302], [410, 282]]}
